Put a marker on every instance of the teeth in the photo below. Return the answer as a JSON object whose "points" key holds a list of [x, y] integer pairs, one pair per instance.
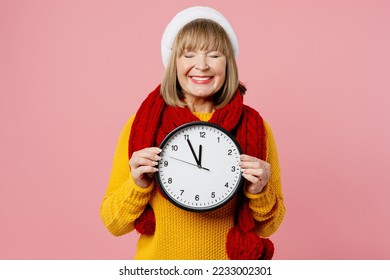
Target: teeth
{"points": [[201, 78]]}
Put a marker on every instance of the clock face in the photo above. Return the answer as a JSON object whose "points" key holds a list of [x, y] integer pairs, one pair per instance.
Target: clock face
{"points": [[199, 167]]}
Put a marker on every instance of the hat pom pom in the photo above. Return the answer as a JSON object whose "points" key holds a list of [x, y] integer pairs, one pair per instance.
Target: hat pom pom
{"points": [[146, 223], [243, 245], [268, 250]]}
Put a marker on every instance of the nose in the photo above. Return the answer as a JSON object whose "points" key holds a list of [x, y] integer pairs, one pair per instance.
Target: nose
{"points": [[201, 63]]}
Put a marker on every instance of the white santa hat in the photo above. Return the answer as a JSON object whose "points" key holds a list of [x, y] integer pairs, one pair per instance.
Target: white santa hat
{"points": [[186, 16]]}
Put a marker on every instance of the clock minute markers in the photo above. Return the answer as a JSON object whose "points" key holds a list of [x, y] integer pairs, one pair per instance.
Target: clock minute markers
{"points": [[221, 154], [190, 163]]}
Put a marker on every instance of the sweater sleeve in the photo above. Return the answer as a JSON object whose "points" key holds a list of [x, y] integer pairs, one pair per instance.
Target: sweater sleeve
{"points": [[124, 201], [268, 206]]}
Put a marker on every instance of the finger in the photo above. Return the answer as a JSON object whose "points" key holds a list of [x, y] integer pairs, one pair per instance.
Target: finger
{"points": [[136, 162], [156, 150], [146, 169], [252, 179], [261, 165], [149, 151], [148, 154], [250, 164], [261, 173], [245, 157]]}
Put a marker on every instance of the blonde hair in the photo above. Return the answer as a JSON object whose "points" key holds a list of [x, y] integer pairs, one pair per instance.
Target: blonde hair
{"points": [[201, 34]]}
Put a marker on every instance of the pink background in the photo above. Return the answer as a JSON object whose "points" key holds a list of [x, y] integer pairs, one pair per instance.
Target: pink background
{"points": [[72, 72]]}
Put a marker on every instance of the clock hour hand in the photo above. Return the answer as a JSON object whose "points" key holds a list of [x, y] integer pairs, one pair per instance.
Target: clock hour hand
{"points": [[190, 163], [200, 155], [193, 153]]}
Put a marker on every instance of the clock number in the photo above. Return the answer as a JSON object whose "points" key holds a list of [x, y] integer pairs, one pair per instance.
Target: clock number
{"points": [[169, 180], [186, 136], [213, 195], [175, 148], [218, 138], [197, 197], [181, 192], [230, 152], [202, 134], [227, 184], [233, 168], [165, 163]]}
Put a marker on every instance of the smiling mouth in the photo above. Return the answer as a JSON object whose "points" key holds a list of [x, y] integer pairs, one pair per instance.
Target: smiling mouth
{"points": [[201, 79]]}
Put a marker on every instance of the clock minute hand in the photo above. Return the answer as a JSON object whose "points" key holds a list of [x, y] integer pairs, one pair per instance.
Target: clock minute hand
{"points": [[193, 153], [189, 163]]}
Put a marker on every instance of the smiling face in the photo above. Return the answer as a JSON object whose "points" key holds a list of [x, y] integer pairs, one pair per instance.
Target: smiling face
{"points": [[202, 66], [201, 73]]}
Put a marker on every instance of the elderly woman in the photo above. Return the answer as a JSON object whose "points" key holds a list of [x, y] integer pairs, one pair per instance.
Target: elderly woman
{"points": [[200, 83]]}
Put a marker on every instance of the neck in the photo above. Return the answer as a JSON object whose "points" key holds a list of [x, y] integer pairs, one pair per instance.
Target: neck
{"points": [[200, 105]]}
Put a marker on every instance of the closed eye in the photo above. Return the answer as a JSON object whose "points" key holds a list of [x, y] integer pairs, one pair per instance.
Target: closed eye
{"points": [[188, 55], [214, 54]]}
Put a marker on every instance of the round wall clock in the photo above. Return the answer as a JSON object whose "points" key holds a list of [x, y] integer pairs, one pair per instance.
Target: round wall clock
{"points": [[199, 166]]}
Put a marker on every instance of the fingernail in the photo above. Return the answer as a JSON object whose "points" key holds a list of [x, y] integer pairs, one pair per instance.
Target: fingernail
{"points": [[157, 157]]}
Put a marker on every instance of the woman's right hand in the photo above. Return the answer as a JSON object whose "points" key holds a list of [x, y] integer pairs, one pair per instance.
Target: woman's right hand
{"points": [[143, 164]]}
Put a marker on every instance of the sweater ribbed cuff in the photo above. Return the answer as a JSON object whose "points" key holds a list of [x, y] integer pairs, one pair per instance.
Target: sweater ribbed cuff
{"points": [[134, 200], [137, 189], [263, 199]]}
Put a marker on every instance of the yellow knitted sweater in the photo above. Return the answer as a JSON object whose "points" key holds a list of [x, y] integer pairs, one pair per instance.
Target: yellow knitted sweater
{"points": [[181, 234]]}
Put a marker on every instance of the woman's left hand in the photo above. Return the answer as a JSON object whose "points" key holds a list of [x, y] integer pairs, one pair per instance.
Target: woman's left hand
{"points": [[256, 171]]}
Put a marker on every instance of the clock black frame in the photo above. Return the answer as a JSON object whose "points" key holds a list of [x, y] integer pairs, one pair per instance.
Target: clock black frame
{"points": [[197, 209]]}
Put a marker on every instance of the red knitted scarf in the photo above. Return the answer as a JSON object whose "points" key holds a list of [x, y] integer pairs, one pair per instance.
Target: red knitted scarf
{"points": [[154, 120]]}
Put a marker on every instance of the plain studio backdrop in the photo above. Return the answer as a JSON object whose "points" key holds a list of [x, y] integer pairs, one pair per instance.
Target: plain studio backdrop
{"points": [[72, 72]]}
